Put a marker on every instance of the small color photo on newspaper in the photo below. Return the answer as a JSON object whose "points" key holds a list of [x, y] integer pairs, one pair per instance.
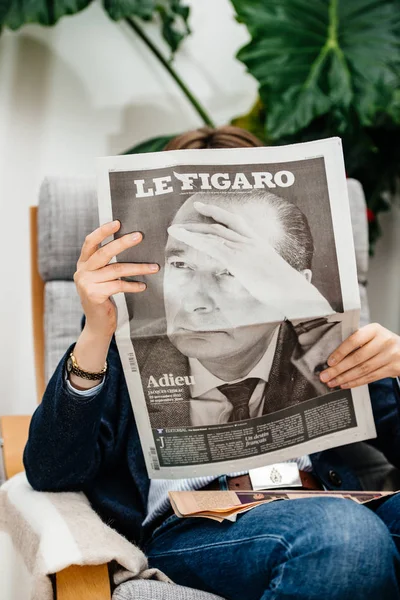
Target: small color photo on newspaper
{"points": [[257, 286]]}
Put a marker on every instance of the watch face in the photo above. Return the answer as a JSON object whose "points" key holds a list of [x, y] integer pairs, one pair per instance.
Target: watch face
{"points": [[69, 365]]}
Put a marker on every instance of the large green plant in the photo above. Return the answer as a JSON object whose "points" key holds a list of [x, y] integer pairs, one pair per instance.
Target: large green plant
{"points": [[329, 67]]}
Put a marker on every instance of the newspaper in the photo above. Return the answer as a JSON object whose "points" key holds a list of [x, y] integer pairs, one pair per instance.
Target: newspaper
{"points": [[257, 286], [226, 506]]}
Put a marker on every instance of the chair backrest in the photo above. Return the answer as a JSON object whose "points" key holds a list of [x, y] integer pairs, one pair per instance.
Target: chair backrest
{"points": [[67, 212]]}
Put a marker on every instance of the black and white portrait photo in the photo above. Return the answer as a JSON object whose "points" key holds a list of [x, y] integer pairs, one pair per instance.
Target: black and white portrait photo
{"points": [[241, 318]]}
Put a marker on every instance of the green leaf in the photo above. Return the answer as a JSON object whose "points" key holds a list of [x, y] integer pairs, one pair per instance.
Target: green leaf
{"points": [[172, 13], [321, 57], [120, 9], [45, 12], [307, 103], [394, 107], [5, 6], [253, 121], [174, 23], [155, 144]]}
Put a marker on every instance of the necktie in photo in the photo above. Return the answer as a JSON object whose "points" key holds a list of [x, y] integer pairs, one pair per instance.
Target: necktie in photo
{"points": [[239, 395]]}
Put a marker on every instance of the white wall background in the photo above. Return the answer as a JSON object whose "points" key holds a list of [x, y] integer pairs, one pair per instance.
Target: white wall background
{"points": [[88, 88]]}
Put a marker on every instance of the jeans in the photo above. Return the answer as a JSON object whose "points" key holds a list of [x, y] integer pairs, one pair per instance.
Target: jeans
{"points": [[307, 549]]}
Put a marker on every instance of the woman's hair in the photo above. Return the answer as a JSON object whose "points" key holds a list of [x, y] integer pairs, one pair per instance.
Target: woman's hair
{"points": [[226, 136]]}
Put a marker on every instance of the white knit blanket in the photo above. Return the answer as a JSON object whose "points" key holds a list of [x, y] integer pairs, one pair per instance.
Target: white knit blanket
{"points": [[42, 533]]}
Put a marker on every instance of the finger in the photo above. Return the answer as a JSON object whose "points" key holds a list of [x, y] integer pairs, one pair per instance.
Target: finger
{"points": [[354, 341], [221, 215], [374, 376], [361, 370], [103, 255], [95, 238], [357, 357], [117, 286], [214, 229], [117, 270], [212, 245]]}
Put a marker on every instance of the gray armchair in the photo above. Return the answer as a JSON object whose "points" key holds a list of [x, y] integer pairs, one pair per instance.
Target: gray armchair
{"points": [[67, 213]]}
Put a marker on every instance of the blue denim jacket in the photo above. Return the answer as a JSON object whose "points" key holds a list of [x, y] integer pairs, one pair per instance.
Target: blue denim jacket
{"points": [[93, 446]]}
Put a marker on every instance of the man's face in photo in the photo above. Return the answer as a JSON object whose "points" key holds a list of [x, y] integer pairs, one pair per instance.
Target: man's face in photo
{"points": [[209, 313]]}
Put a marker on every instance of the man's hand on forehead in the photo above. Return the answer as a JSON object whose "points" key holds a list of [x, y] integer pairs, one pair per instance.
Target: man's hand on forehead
{"points": [[253, 261], [211, 238], [230, 220]]}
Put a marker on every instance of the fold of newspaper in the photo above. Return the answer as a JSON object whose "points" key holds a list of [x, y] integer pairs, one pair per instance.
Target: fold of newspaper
{"points": [[257, 286], [220, 505]]}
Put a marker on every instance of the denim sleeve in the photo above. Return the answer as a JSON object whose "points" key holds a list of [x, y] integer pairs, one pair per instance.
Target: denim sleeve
{"points": [[72, 437], [385, 399]]}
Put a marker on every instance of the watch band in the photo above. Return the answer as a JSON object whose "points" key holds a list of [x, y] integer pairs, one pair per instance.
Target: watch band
{"points": [[73, 367]]}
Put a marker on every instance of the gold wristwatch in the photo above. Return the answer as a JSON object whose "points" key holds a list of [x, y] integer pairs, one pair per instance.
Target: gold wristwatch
{"points": [[73, 367]]}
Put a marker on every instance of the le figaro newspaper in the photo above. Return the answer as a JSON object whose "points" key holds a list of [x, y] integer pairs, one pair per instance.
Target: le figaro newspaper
{"points": [[257, 286]]}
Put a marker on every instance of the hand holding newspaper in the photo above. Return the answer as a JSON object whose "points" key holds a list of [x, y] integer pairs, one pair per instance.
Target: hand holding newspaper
{"points": [[257, 286]]}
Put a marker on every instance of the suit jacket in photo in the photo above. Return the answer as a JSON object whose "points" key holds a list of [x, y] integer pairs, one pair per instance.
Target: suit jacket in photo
{"points": [[293, 377]]}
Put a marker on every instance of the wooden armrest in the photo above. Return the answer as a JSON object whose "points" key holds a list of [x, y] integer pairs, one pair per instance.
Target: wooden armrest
{"points": [[91, 582], [14, 431]]}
